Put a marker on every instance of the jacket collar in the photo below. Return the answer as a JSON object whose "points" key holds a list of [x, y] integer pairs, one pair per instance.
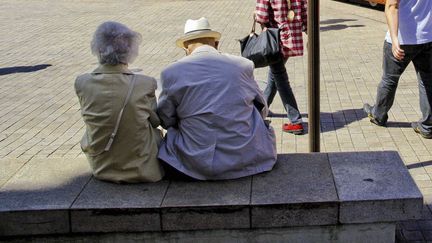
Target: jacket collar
{"points": [[205, 49], [105, 68]]}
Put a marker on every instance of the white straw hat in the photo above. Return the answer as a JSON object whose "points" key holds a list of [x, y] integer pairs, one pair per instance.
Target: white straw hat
{"points": [[195, 29]]}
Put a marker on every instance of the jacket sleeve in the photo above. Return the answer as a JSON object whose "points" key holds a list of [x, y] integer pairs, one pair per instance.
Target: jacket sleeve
{"points": [[304, 4], [259, 100], [261, 11], [154, 118], [78, 89], [166, 107]]}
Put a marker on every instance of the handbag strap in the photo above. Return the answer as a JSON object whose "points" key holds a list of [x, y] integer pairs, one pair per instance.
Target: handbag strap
{"points": [[253, 25], [114, 133]]}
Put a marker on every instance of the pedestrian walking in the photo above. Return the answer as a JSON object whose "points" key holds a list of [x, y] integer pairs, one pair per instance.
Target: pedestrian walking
{"points": [[290, 16], [409, 39]]}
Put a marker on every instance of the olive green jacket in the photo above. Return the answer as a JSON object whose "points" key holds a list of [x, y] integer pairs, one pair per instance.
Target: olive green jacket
{"points": [[133, 154]]}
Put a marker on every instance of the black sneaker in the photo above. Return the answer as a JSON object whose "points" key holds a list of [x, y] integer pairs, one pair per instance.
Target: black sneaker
{"points": [[368, 109], [416, 127]]}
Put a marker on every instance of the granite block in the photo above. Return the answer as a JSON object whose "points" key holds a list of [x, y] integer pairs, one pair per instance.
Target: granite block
{"points": [[374, 187], [299, 191], [348, 233], [304, 214], [202, 218], [14, 223], [109, 207], [207, 205], [42, 191], [9, 167]]}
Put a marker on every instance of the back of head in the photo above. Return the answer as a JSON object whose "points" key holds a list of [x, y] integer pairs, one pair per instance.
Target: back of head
{"points": [[204, 41], [114, 43]]}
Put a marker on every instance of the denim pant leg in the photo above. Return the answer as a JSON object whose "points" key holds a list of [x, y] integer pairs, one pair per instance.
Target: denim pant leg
{"points": [[278, 80], [392, 70], [423, 66], [270, 89]]}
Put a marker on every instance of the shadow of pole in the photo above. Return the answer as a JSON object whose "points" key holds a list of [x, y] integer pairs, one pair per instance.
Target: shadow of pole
{"points": [[339, 27]]}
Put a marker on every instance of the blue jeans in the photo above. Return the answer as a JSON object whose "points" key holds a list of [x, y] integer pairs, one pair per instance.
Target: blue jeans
{"points": [[278, 80], [421, 57]]}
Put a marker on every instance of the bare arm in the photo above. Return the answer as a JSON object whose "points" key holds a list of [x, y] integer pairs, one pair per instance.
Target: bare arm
{"points": [[392, 16]]}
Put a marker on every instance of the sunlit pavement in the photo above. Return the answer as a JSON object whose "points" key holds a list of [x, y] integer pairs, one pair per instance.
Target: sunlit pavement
{"points": [[44, 45]]}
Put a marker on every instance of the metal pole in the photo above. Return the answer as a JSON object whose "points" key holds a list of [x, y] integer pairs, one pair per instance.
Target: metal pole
{"points": [[313, 75]]}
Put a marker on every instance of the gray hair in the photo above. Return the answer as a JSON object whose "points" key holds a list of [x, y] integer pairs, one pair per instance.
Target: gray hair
{"points": [[114, 43]]}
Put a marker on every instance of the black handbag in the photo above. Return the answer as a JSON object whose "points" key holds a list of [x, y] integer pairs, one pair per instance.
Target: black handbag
{"points": [[263, 49]]}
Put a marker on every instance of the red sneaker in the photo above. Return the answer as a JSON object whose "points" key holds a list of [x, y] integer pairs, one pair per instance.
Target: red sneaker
{"points": [[293, 128]]}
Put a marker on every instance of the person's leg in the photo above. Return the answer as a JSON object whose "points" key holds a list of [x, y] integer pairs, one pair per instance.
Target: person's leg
{"points": [[281, 81], [423, 66], [270, 89], [392, 70]]}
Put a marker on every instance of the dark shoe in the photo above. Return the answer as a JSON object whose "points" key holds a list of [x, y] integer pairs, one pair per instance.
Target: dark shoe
{"points": [[416, 127], [368, 109], [296, 129]]}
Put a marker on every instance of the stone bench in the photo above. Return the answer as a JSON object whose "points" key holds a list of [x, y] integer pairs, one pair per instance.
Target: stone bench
{"points": [[317, 197]]}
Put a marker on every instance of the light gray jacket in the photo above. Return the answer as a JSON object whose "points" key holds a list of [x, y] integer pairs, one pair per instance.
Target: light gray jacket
{"points": [[209, 104]]}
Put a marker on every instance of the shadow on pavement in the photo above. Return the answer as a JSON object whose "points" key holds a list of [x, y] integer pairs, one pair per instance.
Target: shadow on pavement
{"points": [[276, 115], [340, 27], [363, 3], [399, 124], [335, 24], [331, 121], [336, 21], [421, 164], [46, 192], [23, 69]]}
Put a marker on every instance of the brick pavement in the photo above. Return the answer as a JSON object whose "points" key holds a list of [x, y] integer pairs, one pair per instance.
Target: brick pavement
{"points": [[39, 113]]}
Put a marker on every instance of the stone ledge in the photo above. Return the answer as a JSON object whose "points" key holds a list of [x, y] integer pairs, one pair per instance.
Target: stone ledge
{"points": [[352, 233], [304, 190]]}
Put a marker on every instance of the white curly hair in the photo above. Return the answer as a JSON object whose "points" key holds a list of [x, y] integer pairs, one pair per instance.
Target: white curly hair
{"points": [[114, 43]]}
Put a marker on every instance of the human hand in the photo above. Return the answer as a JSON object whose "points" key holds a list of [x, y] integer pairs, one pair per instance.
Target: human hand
{"points": [[397, 51]]}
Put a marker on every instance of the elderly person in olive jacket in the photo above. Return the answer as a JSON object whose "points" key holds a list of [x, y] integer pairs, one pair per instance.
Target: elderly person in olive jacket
{"points": [[119, 110], [213, 111]]}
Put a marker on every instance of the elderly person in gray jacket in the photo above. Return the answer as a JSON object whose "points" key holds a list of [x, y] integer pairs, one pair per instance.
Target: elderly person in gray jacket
{"points": [[119, 110], [213, 111]]}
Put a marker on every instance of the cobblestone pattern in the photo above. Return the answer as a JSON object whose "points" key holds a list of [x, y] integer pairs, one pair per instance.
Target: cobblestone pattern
{"points": [[40, 116]]}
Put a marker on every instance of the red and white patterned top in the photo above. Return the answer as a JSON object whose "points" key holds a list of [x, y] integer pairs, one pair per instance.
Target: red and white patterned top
{"points": [[274, 14]]}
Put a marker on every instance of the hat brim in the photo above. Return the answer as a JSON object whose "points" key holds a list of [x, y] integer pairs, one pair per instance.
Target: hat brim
{"points": [[196, 35]]}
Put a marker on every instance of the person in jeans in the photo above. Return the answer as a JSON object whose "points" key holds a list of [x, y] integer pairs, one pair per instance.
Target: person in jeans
{"points": [[213, 111], [409, 39], [290, 16]]}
